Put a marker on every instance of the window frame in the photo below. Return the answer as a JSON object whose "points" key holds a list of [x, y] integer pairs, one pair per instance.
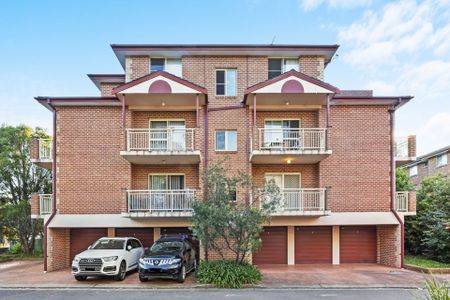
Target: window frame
{"points": [[226, 140], [416, 173], [165, 64], [225, 89], [283, 59], [440, 164], [149, 183], [282, 177]]}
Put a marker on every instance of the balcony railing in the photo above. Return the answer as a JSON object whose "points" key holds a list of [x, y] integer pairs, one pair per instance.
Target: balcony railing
{"points": [[45, 149], [401, 201], [310, 201], [45, 204], [292, 139], [401, 148], [161, 140], [160, 201]]}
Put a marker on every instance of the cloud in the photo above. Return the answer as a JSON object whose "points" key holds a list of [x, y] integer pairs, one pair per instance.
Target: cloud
{"points": [[308, 5], [435, 133]]}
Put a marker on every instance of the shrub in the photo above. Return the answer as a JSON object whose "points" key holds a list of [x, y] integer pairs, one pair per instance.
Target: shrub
{"points": [[228, 273], [436, 290], [16, 248]]}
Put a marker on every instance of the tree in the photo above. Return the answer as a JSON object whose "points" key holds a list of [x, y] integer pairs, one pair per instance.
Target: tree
{"points": [[222, 225], [403, 184], [19, 178], [426, 233]]}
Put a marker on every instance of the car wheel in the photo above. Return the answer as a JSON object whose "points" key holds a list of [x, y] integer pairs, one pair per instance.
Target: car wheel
{"points": [[80, 278], [182, 274], [122, 272], [143, 279]]}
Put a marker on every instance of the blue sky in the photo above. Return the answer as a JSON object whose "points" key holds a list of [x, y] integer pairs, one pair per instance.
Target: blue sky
{"points": [[394, 47]]}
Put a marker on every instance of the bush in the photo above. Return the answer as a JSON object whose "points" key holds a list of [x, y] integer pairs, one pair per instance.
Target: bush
{"points": [[228, 273], [16, 248]]}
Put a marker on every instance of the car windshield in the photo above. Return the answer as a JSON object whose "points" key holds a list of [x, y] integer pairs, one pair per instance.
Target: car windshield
{"points": [[108, 244], [167, 246]]}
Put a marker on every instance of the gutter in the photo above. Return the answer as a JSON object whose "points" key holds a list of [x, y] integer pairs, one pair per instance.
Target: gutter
{"points": [[392, 175], [53, 186]]}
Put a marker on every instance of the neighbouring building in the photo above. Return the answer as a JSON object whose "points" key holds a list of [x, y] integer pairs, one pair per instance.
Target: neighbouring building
{"points": [[130, 161], [431, 164]]}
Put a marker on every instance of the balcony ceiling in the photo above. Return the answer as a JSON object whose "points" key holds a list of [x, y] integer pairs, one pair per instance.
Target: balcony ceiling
{"points": [[282, 157], [161, 158]]}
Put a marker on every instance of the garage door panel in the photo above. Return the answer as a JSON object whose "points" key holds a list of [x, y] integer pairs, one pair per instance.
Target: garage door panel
{"points": [[313, 245], [358, 244], [274, 247], [145, 235], [82, 238]]}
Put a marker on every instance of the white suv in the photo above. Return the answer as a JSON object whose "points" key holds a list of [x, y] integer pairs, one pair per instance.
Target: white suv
{"points": [[108, 256]]}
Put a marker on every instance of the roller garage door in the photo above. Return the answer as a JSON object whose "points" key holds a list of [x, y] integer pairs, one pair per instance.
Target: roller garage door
{"points": [[274, 247], [145, 235], [358, 244], [82, 238], [313, 245]]}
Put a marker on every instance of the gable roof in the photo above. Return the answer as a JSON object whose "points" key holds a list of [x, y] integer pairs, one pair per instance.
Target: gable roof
{"points": [[163, 75], [425, 157]]}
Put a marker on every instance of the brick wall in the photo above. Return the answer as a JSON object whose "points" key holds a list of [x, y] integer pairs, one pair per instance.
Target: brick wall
{"points": [[91, 174], [35, 204], [107, 87], [389, 245], [312, 66], [58, 249], [140, 174], [358, 169], [309, 173], [412, 146], [429, 168], [140, 119], [34, 148], [136, 66], [412, 202]]}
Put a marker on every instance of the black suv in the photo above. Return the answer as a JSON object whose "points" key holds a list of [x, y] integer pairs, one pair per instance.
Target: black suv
{"points": [[172, 256]]}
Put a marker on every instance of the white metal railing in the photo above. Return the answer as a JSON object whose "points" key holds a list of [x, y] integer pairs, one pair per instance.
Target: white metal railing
{"points": [[401, 201], [295, 139], [401, 147], [303, 200], [170, 139], [45, 148], [45, 204], [160, 200]]}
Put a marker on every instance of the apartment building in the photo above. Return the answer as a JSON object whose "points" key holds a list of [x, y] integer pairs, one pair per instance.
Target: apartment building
{"points": [[130, 161], [430, 164]]}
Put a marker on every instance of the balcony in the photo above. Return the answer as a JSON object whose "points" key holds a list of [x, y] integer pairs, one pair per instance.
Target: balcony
{"points": [[41, 152], [41, 205], [405, 150], [303, 202], [160, 203], [405, 203], [293, 145], [161, 146]]}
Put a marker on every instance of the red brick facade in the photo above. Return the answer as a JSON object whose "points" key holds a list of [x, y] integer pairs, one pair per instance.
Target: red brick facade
{"points": [[93, 176]]}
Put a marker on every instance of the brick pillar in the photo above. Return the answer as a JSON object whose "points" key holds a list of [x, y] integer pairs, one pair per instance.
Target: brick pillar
{"points": [[111, 232], [35, 204], [412, 146], [336, 244], [389, 245], [291, 245], [58, 242], [412, 201], [34, 148], [156, 233]]}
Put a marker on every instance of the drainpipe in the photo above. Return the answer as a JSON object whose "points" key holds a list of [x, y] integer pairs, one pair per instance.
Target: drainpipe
{"points": [[392, 175], [53, 186], [205, 150]]}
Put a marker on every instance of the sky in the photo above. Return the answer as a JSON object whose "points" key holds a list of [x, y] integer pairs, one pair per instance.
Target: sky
{"points": [[393, 47]]}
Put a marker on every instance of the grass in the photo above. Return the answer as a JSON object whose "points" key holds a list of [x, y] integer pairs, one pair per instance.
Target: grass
{"points": [[7, 256], [424, 262]]}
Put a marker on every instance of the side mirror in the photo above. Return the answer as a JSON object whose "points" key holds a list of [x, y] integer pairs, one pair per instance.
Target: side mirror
{"points": [[89, 248], [129, 247]]}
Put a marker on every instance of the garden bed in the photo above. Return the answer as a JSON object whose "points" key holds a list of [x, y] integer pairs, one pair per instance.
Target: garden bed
{"points": [[424, 265]]}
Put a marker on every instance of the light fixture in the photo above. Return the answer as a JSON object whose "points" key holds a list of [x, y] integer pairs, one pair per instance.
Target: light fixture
{"points": [[163, 103], [288, 161], [287, 102]]}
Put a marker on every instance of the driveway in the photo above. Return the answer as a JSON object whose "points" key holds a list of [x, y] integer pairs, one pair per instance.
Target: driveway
{"points": [[29, 273]]}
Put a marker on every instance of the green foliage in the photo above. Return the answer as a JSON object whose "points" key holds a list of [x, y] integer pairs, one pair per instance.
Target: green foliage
{"points": [[16, 248], [228, 273], [436, 290], [424, 263], [403, 184], [19, 178], [426, 233], [222, 225]]}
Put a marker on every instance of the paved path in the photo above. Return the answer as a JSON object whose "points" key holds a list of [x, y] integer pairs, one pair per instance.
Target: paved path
{"points": [[208, 294]]}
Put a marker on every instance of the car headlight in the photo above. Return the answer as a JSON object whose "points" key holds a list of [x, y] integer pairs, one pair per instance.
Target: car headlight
{"points": [[76, 259], [110, 258], [174, 261]]}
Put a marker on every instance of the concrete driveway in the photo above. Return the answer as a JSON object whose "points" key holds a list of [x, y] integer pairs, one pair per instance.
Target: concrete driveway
{"points": [[29, 273]]}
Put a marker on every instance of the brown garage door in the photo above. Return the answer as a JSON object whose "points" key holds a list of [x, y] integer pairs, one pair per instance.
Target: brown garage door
{"points": [[82, 238], [274, 247], [183, 230], [145, 235], [313, 245], [358, 244]]}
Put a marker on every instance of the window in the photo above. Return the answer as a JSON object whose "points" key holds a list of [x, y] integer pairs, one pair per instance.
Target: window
{"points": [[285, 181], [278, 66], [413, 171], [441, 160], [166, 135], [226, 82], [170, 65], [166, 182], [282, 134], [232, 194], [226, 140]]}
